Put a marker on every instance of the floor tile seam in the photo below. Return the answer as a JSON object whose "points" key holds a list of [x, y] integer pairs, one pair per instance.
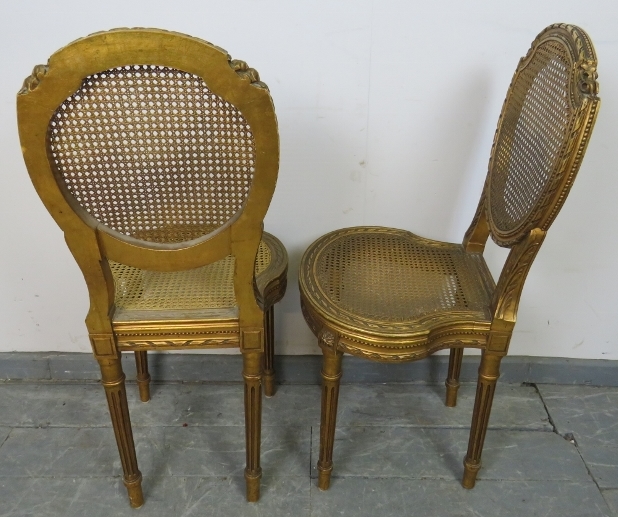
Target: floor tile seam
{"points": [[160, 382], [609, 507], [588, 469], [138, 426], [451, 427], [446, 427], [222, 477], [275, 426], [549, 417], [58, 382], [310, 449], [7, 436], [457, 479], [310, 472], [585, 442]]}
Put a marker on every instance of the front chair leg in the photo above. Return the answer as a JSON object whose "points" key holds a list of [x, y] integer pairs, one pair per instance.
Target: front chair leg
{"points": [[143, 377], [331, 376], [113, 382], [452, 379], [252, 373], [269, 351], [489, 371]]}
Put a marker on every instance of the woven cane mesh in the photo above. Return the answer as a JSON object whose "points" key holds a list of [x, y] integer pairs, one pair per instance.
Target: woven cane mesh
{"points": [[151, 152], [396, 277], [533, 132], [206, 287]]}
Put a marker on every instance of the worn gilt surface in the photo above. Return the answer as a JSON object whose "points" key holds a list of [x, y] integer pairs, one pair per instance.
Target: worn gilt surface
{"points": [[131, 213], [426, 288]]}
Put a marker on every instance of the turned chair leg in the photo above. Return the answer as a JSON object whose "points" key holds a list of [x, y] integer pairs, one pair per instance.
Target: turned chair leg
{"points": [[252, 373], [269, 351], [113, 382], [452, 379], [489, 371], [331, 376], [143, 377]]}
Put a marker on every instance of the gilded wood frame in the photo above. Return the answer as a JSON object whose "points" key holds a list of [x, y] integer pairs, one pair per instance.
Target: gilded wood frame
{"points": [[93, 244], [341, 332]]}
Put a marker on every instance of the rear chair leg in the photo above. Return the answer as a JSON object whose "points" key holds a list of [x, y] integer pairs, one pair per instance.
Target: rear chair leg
{"points": [[269, 351], [252, 373], [143, 377], [452, 380], [113, 382]]}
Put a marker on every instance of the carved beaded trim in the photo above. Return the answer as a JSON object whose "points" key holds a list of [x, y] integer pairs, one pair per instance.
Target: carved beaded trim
{"points": [[431, 278], [540, 132]]}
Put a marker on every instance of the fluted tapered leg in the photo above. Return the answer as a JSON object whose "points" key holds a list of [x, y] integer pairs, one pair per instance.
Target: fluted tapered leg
{"points": [[452, 379], [252, 373], [269, 352], [331, 375], [113, 382], [143, 377], [489, 371]]}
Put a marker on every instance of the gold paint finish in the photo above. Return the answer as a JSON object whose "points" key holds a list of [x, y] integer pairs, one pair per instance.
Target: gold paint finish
{"points": [[157, 155], [389, 295], [331, 376]]}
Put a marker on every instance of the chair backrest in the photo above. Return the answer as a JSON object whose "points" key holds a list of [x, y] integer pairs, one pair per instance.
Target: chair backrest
{"points": [[156, 139], [151, 149], [542, 134], [151, 152]]}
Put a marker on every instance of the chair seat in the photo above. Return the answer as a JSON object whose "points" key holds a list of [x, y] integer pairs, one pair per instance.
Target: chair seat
{"points": [[382, 281], [157, 295]]}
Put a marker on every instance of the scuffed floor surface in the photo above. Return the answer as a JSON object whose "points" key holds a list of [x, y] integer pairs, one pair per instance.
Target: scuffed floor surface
{"points": [[398, 452]]}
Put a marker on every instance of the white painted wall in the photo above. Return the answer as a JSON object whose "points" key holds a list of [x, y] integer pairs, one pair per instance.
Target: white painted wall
{"points": [[387, 111]]}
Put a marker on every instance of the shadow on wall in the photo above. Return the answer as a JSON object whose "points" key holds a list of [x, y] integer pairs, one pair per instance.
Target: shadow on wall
{"points": [[448, 171]]}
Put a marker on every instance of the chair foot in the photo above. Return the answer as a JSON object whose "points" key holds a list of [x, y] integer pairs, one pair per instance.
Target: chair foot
{"points": [[451, 393], [324, 477], [134, 489], [144, 390], [269, 384], [471, 469], [253, 485]]}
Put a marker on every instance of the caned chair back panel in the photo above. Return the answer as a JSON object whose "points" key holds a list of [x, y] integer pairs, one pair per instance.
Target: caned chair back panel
{"points": [[151, 152], [158, 141], [543, 130]]}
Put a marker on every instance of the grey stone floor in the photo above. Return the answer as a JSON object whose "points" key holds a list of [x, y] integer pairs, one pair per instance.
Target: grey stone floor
{"points": [[398, 452]]}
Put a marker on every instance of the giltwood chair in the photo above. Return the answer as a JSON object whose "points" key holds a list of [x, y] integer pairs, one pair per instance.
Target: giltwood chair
{"points": [[389, 295], [157, 155]]}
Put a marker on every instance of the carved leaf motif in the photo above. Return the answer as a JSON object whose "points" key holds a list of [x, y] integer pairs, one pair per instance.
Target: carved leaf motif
{"points": [[245, 72], [511, 282], [190, 343], [32, 81]]}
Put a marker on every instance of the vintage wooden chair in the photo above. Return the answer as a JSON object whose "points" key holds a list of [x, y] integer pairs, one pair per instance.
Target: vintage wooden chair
{"points": [[157, 155], [389, 295]]}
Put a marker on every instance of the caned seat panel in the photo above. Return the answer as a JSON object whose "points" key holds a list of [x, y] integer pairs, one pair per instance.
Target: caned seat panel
{"points": [[395, 277], [206, 287]]}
